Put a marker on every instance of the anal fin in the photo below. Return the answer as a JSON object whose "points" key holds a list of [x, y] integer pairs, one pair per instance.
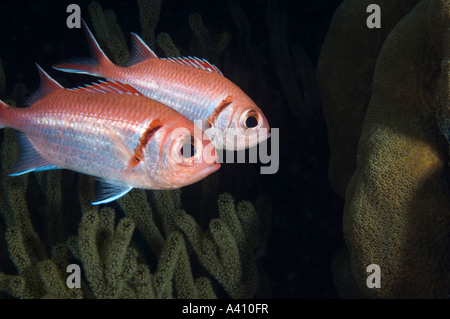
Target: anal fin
{"points": [[107, 191]]}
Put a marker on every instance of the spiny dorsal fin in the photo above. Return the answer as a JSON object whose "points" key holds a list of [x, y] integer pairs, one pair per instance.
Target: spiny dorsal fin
{"points": [[140, 51], [196, 63], [111, 86], [47, 86]]}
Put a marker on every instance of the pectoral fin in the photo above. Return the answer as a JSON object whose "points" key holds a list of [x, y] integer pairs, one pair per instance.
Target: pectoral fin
{"points": [[119, 149]]}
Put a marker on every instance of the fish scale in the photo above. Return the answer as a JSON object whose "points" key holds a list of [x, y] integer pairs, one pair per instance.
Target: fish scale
{"points": [[107, 130], [85, 129], [175, 86]]}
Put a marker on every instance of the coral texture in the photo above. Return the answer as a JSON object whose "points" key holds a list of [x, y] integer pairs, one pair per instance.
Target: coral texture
{"points": [[398, 200], [344, 75]]}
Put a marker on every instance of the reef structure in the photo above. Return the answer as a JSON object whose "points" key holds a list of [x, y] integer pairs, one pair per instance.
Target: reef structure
{"points": [[397, 205]]}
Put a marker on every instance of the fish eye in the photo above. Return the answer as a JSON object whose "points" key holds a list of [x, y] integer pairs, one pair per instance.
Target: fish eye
{"points": [[188, 150], [250, 119], [251, 122]]}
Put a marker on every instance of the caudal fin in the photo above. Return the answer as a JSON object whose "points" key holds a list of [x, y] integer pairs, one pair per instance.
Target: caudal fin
{"points": [[92, 66], [4, 114]]}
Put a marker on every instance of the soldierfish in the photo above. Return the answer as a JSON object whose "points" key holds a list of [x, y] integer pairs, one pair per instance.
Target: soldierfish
{"points": [[111, 131], [189, 85]]}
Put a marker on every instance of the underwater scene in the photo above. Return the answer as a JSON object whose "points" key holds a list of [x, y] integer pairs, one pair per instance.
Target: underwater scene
{"points": [[228, 149]]}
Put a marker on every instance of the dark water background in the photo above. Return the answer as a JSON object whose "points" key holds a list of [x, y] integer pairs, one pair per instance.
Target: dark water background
{"points": [[306, 219]]}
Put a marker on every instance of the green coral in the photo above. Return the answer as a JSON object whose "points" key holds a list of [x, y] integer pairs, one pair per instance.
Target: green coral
{"points": [[165, 42], [109, 33], [2, 80], [114, 267], [227, 248], [149, 12]]}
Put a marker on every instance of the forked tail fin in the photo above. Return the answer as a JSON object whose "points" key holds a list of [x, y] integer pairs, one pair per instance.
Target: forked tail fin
{"points": [[92, 66]]}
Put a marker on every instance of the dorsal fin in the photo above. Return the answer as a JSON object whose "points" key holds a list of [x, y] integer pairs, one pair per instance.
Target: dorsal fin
{"points": [[196, 63], [111, 86], [139, 51], [47, 86]]}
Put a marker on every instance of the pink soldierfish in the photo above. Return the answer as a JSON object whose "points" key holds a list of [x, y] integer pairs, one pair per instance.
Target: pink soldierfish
{"points": [[191, 86], [111, 131]]}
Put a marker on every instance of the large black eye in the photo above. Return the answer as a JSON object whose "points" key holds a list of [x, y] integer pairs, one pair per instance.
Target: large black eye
{"points": [[251, 122], [188, 150]]}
